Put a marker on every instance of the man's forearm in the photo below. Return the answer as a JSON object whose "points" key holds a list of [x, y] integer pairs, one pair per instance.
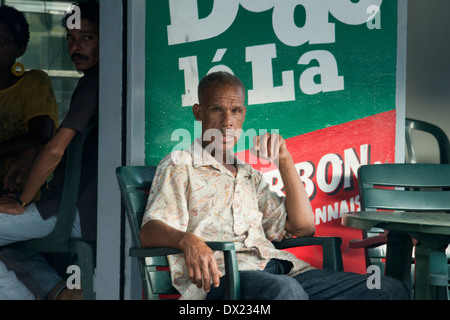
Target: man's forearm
{"points": [[42, 168], [46, 162], [156, 233], [300, 221]]}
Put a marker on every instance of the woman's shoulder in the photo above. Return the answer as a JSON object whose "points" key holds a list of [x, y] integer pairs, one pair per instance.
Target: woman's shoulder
{"points": [[36, 76], [37, 73]]}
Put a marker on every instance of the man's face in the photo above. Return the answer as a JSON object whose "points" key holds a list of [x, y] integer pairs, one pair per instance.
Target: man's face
{"points": [[222, 113], [83, 45]]}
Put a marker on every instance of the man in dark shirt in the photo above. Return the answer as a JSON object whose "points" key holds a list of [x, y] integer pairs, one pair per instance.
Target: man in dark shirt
{"points": [[21, 220]]}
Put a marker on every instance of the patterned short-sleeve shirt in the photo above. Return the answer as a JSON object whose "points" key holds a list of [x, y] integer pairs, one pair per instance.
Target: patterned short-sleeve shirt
{"points": [[194, 193]]}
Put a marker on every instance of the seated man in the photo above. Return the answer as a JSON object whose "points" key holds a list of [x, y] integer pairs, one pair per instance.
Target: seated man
{"points": [[207, 194]]}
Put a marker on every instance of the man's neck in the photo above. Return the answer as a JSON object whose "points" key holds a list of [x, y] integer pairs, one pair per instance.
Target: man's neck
{"points": [[226, 158], [94, 69], [232, 168], [229, 162]]}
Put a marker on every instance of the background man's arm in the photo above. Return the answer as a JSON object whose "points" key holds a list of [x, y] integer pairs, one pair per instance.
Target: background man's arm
{"points": [[45, 163]]}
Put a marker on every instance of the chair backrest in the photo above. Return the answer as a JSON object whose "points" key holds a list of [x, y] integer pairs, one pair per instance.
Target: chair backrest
{"points": [[59, 239], [135, 183], [435, 131], [405, 187]]}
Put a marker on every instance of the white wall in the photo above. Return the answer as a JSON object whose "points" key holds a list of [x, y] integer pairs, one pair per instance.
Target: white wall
{"points": [[428, 70], [109, 228]]}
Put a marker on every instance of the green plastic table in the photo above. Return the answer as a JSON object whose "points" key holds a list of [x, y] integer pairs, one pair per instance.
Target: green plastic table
{"points": [[432, 232]]}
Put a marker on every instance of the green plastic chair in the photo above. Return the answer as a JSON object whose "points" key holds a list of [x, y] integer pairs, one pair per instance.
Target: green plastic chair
{"points": [[411, 187], [59, 240], [135, 183], [374, 239], [443, 146], [435, 131]]}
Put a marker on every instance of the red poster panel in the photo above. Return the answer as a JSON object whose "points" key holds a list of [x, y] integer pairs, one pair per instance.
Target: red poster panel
{"points": [[327, 161]]}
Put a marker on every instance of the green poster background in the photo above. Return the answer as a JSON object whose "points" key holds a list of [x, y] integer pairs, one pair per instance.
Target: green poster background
{"points": [[366, 58]]}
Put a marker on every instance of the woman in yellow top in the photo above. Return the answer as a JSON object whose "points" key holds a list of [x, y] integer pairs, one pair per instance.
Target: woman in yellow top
{"points": [[28, 109]]}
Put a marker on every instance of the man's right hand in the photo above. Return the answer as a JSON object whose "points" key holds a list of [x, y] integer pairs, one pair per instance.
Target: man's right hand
{"points": [[200, 262]]}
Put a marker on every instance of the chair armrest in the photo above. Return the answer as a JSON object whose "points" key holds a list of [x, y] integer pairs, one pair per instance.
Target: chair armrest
{"points": [[331, 249], [166, 251], [370, 242], [232, 280], [152, 252]]}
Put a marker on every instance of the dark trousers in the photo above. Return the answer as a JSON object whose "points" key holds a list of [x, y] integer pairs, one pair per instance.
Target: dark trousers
{"points": [[320, 284]]}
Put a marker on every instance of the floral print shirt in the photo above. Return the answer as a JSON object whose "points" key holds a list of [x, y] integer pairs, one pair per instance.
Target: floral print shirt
{"points": [[194, 193]]}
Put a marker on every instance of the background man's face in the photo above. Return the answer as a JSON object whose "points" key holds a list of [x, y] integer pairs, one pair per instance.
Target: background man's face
{"points": [[83, 45]]}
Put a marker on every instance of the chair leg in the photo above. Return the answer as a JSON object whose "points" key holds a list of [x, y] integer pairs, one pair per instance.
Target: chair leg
{"points": [[85, 252], [431, 274]]}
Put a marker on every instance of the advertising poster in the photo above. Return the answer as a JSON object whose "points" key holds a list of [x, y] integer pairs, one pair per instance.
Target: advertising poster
{"points": [[322, 73]]}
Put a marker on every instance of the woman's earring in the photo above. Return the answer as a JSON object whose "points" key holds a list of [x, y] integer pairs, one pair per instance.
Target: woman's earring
{"points": [[18, 69]]}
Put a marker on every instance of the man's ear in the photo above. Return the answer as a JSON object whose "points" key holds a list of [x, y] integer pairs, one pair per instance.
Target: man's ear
{"points": [[197, 111]]}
